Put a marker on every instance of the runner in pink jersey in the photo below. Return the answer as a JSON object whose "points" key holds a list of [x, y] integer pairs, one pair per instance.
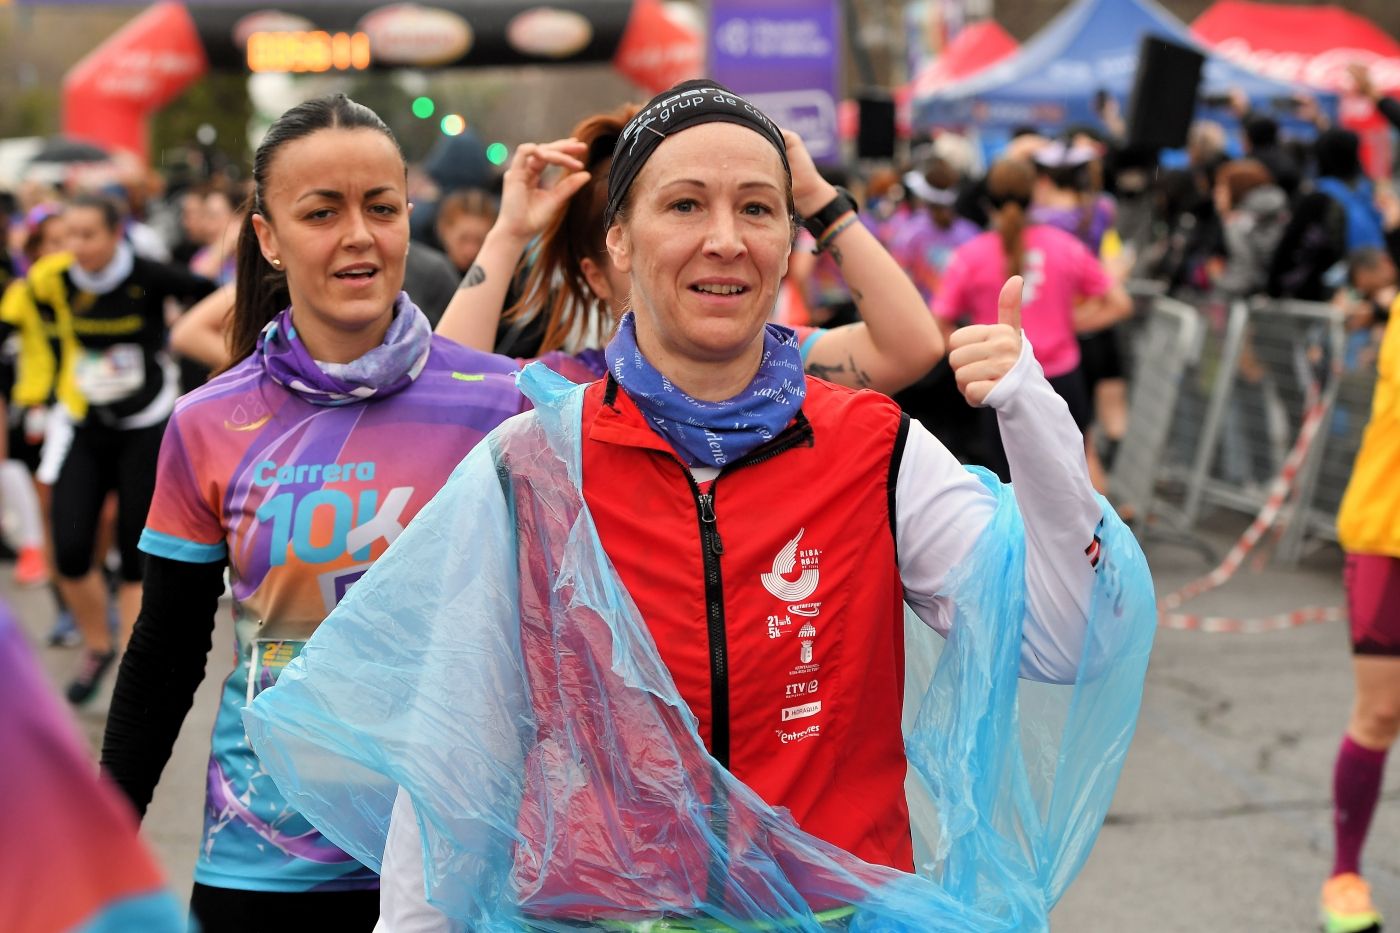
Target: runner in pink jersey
{"points": [[1060, 272], [1067, 291]]}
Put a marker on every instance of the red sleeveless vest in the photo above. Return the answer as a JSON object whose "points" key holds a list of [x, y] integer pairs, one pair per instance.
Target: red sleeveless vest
{"points": [[775, 600]]}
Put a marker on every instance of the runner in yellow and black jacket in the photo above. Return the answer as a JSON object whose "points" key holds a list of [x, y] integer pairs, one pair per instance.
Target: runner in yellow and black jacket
{"points": [[113, 378]]}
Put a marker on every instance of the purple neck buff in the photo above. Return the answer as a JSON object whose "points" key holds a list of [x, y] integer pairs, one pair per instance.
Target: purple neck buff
{"points": [[388, 368]]}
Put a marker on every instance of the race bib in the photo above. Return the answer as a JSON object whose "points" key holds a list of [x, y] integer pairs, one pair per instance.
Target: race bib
{"points": [[110, 375], [270, 656]]}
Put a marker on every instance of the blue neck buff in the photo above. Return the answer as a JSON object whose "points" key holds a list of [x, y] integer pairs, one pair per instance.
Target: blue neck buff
{"points": [[713, 434]]}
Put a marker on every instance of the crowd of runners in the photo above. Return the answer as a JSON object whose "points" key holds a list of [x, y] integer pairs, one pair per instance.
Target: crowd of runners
{"points": [[252, 386]]}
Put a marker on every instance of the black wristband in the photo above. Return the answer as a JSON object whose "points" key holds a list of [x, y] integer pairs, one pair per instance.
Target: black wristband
{"points": [[818, 223]]}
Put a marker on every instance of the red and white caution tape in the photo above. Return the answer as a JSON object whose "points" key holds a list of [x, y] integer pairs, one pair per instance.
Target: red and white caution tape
{"points": [[1278, 493], [1214, 625]]}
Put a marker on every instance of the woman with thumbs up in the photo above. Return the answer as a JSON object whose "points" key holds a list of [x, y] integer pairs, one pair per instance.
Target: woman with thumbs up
{"points": [[764, 530]]}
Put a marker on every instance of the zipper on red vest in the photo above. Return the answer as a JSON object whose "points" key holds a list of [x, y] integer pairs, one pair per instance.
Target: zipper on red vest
{"points": [[712, 548]]}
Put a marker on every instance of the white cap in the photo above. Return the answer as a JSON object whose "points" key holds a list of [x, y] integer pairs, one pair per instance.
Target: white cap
{"points": [[1062, 155], [918, 184]]}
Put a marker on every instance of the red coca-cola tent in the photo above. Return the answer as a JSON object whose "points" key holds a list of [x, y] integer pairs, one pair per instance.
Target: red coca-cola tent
{"points": [[1311, 45], [109, 96]]}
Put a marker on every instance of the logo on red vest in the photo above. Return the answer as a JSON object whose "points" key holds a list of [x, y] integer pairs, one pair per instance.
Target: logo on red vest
{"points": [[785, 563], [806, 638], [802, 712], [807, 733], [804, 688]]}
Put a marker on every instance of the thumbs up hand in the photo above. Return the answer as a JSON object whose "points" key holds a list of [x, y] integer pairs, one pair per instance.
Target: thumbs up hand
{"points": [[981, 354]]}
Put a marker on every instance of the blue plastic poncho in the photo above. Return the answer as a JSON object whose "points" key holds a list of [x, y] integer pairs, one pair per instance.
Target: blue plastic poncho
{"points": [[493, 666]]}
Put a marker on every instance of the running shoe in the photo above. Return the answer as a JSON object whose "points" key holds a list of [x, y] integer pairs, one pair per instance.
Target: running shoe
{"points": [[1346, 905], [90, 671], [65, 631], [31, 567]]}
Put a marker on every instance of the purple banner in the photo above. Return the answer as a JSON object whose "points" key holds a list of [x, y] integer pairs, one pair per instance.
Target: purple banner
{"points": [[785, 57]]}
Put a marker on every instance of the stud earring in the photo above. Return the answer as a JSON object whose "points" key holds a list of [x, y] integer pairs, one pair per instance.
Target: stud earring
{"points": [[277, 263]]}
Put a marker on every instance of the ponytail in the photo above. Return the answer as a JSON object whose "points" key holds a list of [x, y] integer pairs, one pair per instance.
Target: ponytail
{"points": [[260, 291], [1009, 186], [1011, 224], [554, 284]]}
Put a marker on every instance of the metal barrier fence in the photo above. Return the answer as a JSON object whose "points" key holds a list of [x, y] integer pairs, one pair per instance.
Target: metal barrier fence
{"points": [[1164, 342], [1232, 385], [1319, 493]]}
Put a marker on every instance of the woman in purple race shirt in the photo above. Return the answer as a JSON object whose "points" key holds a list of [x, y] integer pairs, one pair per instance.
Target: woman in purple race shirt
{"points": [[295, 469]]}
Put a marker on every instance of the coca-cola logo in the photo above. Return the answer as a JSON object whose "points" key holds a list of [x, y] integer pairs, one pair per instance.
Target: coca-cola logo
{"points": [[1325, 69], [408, 34]]}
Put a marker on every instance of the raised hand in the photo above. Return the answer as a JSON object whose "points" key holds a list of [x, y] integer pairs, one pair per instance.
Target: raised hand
{"points": [[982, 354], [810, 191], [1361, 80], [1388, 203], [530, 195]]}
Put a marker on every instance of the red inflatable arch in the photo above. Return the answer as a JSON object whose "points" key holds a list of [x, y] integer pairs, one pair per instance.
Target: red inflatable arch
{"points": [[109, 96]]}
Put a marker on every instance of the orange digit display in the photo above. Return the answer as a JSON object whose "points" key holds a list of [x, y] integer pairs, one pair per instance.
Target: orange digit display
{"points": [[308, 52]]}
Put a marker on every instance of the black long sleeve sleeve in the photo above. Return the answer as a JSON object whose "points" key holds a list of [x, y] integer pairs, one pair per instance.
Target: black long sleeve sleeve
{"points": [[1390, 109], [162, 668], [180, 284]]}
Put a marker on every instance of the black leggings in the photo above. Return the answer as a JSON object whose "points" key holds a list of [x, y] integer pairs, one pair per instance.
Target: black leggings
{"points": [[100, 460], [226, 910]]}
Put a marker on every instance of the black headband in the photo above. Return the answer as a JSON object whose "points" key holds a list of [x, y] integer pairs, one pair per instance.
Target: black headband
{"points": [[687, 104]]}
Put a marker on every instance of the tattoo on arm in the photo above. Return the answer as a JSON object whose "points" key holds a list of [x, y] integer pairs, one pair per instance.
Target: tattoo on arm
{"points": [[823, 371], [474, 277], [837, 257], [833, 372], [861, 376]]}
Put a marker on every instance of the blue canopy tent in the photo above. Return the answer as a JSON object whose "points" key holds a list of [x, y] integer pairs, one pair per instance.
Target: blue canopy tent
{"points": [[1091, 47]]}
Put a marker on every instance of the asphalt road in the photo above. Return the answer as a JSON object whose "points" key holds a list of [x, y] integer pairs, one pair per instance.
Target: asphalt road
{"points": [[1222, 820]]}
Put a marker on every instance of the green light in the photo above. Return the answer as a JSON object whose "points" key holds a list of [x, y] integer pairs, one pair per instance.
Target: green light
{"points": [[423, 107], [453, 124], [496, 153]]}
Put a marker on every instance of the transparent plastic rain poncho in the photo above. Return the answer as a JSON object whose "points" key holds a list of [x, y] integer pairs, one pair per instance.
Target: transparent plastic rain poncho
{"points": [[493, 666]]}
